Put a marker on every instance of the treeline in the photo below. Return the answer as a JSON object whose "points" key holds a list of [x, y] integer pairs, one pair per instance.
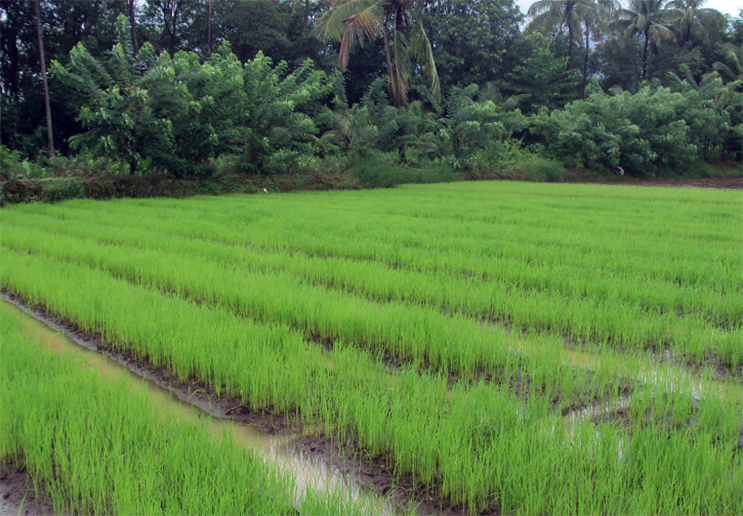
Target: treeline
{"points": [[192, 87]]}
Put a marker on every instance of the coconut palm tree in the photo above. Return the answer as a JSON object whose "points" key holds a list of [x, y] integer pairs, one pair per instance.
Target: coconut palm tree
{"points": [[548, 14], [650, 20], [353, 22], [731, 69], [595, 20], [49, 133], [694, 19]]}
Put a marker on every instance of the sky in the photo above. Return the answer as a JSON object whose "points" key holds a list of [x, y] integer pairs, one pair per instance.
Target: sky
{"points": [[724, 6]]}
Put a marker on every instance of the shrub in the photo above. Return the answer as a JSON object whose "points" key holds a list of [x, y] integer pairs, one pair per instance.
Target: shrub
{"points": [[543, 170], [380, 174], [644, 133], [178, 114]]}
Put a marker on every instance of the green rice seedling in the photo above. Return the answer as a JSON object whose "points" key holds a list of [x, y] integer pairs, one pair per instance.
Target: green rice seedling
{"points": [[99, 447], [452, 331]]}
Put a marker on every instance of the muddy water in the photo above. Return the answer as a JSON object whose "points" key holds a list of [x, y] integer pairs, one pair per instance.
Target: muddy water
{"points": [[309, 472]]}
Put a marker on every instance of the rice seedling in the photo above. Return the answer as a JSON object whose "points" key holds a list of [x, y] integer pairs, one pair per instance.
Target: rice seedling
{"points": [[96, 445], [520, 348]]}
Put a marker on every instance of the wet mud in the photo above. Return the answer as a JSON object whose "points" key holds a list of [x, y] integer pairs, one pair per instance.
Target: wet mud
{"points": [[18, 496]]}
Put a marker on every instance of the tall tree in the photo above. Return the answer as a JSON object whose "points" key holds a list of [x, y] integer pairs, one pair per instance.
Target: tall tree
{"points": [[171, 21], [734, 31], [472, 40], [694, 20], [651, 21], [250, 27], [549, 14], [48, 108], [542, 76], [133, 21], [209, 29], [595, 21], [731, 68], [13, 13], [398, 22]]}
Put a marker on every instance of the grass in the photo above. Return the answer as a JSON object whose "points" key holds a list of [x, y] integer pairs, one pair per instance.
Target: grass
{"points": [[449, 329]]}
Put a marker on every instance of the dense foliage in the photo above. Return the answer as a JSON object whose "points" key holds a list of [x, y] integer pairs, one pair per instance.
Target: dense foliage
{"points": [[644, 133], [252, 88]]}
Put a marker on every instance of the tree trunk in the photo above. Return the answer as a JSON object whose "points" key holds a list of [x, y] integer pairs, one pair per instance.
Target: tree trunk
{"points": [[46, 85], [570, 44], [390, 72], [209, 30], [171, 43], [645, 57], [133, 21], [170, 12], [12, 76], [585, 62]]}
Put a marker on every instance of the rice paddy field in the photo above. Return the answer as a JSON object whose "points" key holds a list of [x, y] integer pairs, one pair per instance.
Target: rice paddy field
{"points": [[508, 348]]}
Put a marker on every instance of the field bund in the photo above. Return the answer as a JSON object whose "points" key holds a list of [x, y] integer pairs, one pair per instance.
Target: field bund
{"points": [[495, 347]]}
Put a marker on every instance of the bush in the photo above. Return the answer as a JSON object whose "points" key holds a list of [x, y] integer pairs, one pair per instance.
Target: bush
{"points": [[62, 189], [13, 192], [541, 170], [179, 114], [645, 133], [378, 174]]}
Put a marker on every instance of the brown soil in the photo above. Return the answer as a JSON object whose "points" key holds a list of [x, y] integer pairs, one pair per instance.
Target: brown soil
{"points": [[18, 496], [731, 183], [376, 474]]}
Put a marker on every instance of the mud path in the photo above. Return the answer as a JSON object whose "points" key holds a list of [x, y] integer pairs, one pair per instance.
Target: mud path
{"points": [[726, 183]]}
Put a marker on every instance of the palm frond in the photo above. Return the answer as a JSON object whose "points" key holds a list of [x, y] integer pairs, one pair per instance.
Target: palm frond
{"points": [[401, 55], [361, 26], [332, 25], [420, 45]]}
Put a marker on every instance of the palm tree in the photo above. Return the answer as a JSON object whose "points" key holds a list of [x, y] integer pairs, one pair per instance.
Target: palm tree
{"points": [[732, 68], [548, 14], [398, 23], [50, 136], [649, 19], [693, 16], [594, 20]]}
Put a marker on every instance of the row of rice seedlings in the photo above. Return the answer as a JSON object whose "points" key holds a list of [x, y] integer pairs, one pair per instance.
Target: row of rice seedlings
{"points": [[378, 212], [392, 244], [230, 285], [97, 447], [411, 226], [663, 295], [708, 303], [424, 337], [479, 446], [693, 208]]}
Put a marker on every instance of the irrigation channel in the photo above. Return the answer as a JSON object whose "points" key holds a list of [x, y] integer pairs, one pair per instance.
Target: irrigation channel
{"points": [[281, 448]]}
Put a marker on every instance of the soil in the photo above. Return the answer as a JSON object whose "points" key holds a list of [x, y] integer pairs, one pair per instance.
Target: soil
{"points": [[18, 496], [376, 475], [729, 183]]}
